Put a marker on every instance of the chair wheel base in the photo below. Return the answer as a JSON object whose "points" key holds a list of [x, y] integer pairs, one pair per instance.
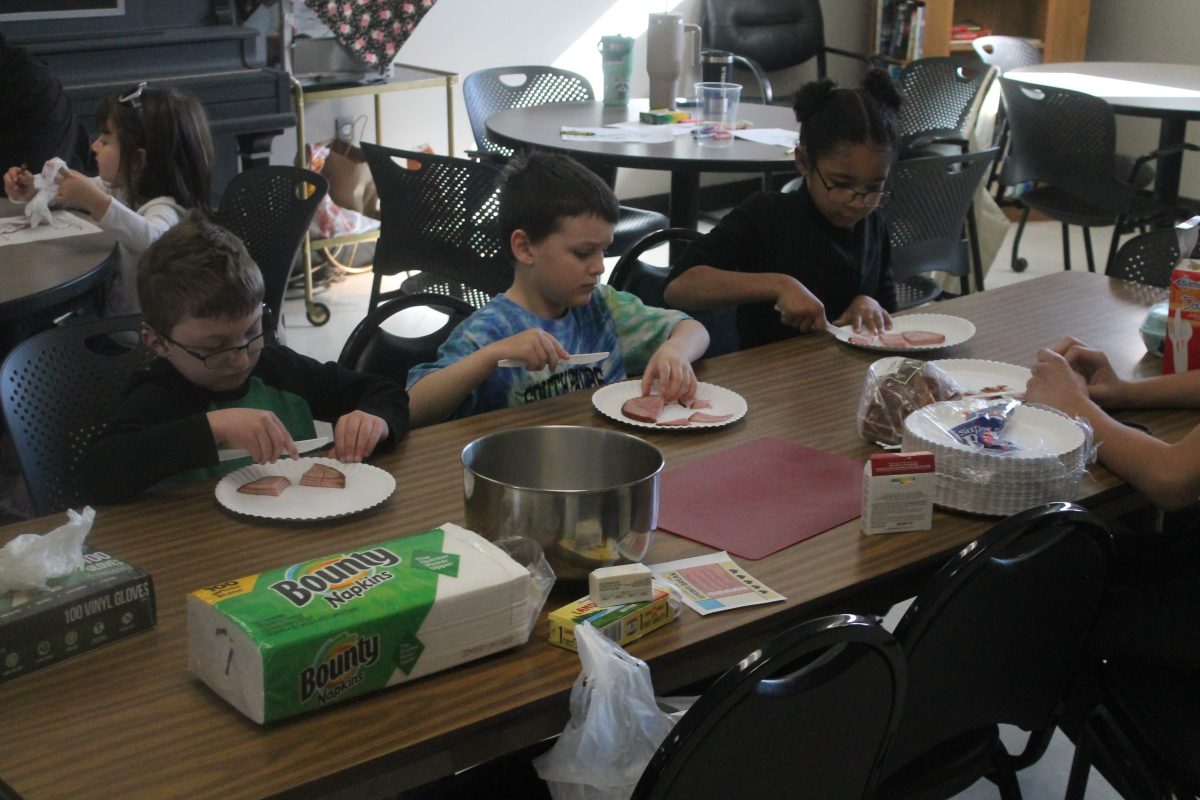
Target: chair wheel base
{"points": [[317, 313], [1020, 265]]}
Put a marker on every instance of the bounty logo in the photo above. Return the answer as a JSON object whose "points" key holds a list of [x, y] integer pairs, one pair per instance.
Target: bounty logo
{"points": [[336, 579], [338, 667]]}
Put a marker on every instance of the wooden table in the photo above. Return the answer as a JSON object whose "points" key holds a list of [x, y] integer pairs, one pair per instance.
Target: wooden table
{"points": [[130, 721], [1167, 92], [541, 126]]}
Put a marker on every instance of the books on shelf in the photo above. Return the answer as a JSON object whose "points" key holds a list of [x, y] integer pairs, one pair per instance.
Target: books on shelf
{"points": [[967, 30], [900, 29]]}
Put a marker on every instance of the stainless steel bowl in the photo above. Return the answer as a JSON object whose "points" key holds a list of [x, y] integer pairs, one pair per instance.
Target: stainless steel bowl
{"points": [[588, 496]]}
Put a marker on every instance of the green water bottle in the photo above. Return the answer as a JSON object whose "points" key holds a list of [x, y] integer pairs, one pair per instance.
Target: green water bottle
{"points": [[617, 52]]}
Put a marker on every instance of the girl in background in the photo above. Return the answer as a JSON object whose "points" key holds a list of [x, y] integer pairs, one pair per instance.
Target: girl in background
{"points": [[154, 156]]}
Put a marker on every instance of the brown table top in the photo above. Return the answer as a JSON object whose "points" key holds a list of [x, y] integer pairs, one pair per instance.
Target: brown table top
{"points": [[130, 720]]}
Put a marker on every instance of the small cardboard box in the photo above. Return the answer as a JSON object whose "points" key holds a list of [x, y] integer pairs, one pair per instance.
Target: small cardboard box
{"points": [[104, 602], [1181, 345], [898, 492], [622, 624], [624, 583]]}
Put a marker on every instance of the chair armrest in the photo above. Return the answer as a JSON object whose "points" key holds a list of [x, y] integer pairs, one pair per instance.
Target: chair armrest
{"points": [[857, 56], [1156, 154], [760, 75]]}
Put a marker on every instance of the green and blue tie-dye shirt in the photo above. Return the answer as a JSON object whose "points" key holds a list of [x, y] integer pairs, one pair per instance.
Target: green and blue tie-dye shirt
{"points": [[612, 321]]}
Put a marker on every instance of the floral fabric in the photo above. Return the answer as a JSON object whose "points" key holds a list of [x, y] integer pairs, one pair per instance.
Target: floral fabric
{"points": [[374, 30]]}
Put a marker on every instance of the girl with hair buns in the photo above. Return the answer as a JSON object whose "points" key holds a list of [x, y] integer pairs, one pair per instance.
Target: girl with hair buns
{"points": [[154, 156], [791, 261]]}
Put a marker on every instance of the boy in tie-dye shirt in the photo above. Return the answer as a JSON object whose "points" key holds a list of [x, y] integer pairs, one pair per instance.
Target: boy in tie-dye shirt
{"points": [[556, 220]]}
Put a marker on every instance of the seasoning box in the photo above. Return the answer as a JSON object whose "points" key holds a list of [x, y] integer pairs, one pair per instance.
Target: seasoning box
{"points": [[106, 601], [1181, 345], [622, 624], [898, 492], [624, 583]]}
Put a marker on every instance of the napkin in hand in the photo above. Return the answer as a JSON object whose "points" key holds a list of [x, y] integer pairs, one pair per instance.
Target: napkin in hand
{"points": [[38, 209], [31, 559]]}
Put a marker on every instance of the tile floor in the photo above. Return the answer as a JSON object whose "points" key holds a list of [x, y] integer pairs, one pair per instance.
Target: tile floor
{"points": [[1042, 246]]}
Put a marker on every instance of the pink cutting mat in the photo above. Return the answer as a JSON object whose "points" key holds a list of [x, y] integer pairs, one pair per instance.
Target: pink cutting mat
{"points": [[760, 497]]}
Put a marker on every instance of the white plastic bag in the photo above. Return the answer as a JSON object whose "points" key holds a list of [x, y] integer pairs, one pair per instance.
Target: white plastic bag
{"points": [[38, 209], [615, 725]]}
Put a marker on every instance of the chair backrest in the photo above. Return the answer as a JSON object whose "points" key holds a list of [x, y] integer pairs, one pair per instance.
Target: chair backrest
{"points": [[59, 389], [1006, 52], [1150, 257], [269, 208], [440, 215], [775, 33], [931, 198], [648, 281], [995, 635], [498, 89], [942, 96], [1063, 138], [805, 716], [371, 348]]}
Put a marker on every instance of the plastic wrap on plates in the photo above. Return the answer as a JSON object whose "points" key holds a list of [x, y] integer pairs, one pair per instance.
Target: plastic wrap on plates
{"points": [[529, 554], [893, 389], [1001, 457]]}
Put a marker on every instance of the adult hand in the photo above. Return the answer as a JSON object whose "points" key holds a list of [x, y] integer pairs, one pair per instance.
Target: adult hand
{"points": [[259, 432], [534, 347], [865, 312], [799, 308], [18, 185], [672, 369], [1103, 384], [79, 191], [355, 436]]}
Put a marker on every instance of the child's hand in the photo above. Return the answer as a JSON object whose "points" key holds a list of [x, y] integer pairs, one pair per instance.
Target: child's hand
{"points": [[1055, 383], [799, 308], [355, 436], [79, 191], [672, 369], [1103, 384], [18, 185], [865, 312], [257, 431], [536, 348]]}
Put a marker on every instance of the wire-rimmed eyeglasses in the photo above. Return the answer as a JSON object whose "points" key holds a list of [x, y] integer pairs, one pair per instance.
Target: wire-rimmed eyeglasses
{"points": [[848, 194], [228, 357]]}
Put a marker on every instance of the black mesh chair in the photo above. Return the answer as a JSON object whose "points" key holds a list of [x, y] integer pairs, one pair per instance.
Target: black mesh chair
{"points": [[439, 220], [769, 35], [269, 208], [648, 281], [1006, 52], [371, 348], [805, 716], [931, 225], [994, 639], [490, 90], [1149, 257], [59, 389], [1065, 142], [942, 96]]}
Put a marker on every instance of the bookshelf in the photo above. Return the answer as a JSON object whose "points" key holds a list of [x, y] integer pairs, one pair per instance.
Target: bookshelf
{"points": [[1057, 27]]}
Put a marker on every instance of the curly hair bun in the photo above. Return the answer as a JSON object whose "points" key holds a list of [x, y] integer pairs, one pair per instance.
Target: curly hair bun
{"points": [[811, 97], [878, 84]]}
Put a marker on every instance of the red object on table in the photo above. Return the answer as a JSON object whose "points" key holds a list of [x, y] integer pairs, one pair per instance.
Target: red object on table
{"points": [[760, 497]]}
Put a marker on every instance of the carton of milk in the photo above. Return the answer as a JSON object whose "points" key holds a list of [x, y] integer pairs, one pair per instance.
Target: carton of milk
{"points": [[1181, 345], [898, 492]]}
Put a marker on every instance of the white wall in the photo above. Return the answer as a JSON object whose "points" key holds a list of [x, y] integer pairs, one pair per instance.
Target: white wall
{"points": [[465, 35]]}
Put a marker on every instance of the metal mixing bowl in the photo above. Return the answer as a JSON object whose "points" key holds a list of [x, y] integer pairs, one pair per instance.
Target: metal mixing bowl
{"points": [[588, 496]]}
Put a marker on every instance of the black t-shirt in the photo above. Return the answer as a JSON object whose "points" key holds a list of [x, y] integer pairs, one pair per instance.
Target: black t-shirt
{"points": [[784, 232]]}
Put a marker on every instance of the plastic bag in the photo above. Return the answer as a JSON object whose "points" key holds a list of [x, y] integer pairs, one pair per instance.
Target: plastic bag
{"points": [[893, 389], [529, 554], [30, 560], [615, 726]]}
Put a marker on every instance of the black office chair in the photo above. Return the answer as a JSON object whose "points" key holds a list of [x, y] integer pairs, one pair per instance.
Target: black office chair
{"points": [[490, 90], [648, 281], [1004, 53], [769, 35], [942, 96], [270, 208], [1150, 257], [1065, 142], [371, 348], [805, 716], [439, 218], [994, 639], [931, 224], [59, 389]]}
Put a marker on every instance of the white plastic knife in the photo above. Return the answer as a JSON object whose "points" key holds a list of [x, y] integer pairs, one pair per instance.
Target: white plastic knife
{"points": [[576, 360]]}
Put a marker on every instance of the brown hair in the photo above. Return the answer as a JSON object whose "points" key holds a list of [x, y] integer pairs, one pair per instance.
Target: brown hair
{"points": [[170, 128], [197, 269], [830, 117]]}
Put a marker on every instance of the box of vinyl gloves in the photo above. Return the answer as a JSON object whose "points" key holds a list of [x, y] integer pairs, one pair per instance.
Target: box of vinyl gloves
{"points": [[298, 638]]}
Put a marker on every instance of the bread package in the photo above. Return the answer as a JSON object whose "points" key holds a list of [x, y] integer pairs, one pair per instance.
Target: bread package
{"points": [[893, 389]]}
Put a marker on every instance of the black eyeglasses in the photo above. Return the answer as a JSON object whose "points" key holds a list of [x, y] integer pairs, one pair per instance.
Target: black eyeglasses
{"points": [[134, 98], [847, 194], [223, 359]]}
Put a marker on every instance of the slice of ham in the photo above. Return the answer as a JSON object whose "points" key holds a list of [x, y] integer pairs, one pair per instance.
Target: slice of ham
{"points": [[643, 409], [698, 403], [894, 340], [324, 477], [678, 422], [862, 341], [923, 338], [700, 416], [271, 485]]}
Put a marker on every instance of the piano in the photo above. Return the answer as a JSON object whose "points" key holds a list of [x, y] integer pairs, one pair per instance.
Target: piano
{"points": [[197, 46]]}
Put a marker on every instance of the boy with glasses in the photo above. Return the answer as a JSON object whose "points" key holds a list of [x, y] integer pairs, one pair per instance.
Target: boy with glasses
{"points": [[220, 381]]}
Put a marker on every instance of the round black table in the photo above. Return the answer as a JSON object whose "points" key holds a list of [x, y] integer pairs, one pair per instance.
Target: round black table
{"points": [[1167, 92], [541, 126]]}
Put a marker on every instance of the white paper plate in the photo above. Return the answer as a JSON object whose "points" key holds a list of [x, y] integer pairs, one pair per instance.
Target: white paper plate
{"points": [[976, 374], [609, 399], [956, 330], [1037, 432], [366, 487]]}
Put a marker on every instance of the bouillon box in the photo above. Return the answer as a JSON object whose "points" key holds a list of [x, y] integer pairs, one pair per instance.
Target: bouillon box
{"points": [[105, 601], [1181, 345]]}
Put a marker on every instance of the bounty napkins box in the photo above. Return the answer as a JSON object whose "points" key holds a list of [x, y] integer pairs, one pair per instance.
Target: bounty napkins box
{"points": [[298, 638]]}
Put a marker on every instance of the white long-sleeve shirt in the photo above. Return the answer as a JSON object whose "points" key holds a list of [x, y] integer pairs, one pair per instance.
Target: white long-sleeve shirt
{"points": [[134, 232]]}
